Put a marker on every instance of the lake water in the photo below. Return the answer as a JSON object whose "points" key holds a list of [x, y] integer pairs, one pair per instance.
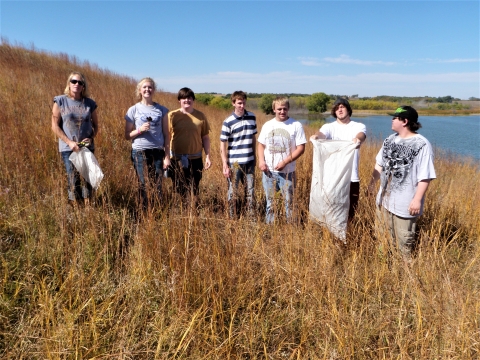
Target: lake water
{"points": [[458, 135]]}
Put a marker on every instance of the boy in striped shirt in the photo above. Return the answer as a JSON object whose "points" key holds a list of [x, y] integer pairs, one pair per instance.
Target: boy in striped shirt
{"points": [[237, 148]]}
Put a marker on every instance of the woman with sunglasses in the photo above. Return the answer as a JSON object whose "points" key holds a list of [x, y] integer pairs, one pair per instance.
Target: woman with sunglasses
{"points": [[75, 123], [146, 126]]}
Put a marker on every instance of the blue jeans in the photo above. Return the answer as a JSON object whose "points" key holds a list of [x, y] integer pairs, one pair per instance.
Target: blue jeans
{"points": [[150, 161], [244, 173], [77, 188], [274, 182]]}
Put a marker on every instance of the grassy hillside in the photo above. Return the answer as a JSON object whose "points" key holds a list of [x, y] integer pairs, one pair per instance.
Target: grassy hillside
{"points": [[97, 283]]}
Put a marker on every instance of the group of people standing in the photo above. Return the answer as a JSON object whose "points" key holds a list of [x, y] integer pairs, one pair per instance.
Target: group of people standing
{"points": [[173, 142]]}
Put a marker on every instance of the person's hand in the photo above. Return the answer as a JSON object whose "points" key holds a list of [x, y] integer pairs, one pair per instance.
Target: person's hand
{"points": [[314, 137], [414, 207], [262, 166], [208, 162], [281, 165], [226, 170], [166, 162], [357, 142], [145, 127], [87, 141], [73, 146]]}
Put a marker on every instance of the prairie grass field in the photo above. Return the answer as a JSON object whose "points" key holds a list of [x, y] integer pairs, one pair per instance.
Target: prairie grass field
{"points": [[100, 282]]}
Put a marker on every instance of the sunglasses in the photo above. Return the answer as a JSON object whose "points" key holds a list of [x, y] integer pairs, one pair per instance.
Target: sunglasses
{"points": [[80, 82]]}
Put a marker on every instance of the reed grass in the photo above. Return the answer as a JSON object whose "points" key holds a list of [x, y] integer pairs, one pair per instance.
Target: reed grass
{"points": [[97, 282]]}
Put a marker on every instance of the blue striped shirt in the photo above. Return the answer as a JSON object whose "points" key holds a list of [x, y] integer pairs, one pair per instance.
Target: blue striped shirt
{"points": [[239, 133]]}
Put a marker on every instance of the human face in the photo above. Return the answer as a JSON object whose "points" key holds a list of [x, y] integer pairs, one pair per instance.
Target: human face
{"points": [[342, 112], [76, 89], [281, 112], [186, 105], [146, 90], [397, 124], [239, 106]]}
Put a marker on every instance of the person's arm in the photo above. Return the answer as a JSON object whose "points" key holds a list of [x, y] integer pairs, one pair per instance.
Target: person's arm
{"points": [[254, 148], [375, 177], [224, 155], [206, 147], [416, 203], [359, 139], [130, 131], [57, 130], [166, 141], [261, 157], [94, 128], [318, 135], [299, 150]]}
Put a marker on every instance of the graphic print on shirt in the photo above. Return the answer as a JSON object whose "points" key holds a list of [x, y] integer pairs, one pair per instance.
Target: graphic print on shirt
{"points": [[74, 119], [278, 141], [153, 118], [398, 160]]}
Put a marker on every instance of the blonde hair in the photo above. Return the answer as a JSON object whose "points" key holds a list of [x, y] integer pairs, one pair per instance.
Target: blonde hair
{"points": [[281, 100], [85, 92], [138, 89]]}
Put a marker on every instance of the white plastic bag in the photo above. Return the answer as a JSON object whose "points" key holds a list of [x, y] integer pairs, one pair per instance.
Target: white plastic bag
{"points": [[330, 190], [87, 166]]}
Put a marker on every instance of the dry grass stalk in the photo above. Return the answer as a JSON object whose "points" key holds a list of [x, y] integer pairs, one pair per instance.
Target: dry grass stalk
{"points": [[96, 282]]}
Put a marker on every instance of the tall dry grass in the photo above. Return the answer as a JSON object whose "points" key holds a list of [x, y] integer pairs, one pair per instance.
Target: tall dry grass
{"points": [[97, 283]]}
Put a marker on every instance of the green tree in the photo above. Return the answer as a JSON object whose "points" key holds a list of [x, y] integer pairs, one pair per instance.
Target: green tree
{"points": [[205, 99], [221, 103], [318, 102], [265, 103]]}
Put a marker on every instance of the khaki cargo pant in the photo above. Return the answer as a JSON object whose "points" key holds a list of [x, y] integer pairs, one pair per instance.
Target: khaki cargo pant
{"points": [[400, 232]]}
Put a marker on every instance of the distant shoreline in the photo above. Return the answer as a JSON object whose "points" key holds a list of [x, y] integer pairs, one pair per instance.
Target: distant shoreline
{"points": [[364, 113]]}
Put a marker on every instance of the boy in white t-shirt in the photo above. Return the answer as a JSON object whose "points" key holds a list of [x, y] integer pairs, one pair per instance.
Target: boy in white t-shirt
{"points": [[404, 166], [345, 129], [280, 143]]}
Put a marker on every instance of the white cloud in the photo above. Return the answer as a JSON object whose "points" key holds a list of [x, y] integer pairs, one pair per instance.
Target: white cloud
{"points": [[310, 61], [452, 60], [345, 59]]}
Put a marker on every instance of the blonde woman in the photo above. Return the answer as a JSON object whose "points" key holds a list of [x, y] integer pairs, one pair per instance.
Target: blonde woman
{"points": [[75, 123], [146, 125]]}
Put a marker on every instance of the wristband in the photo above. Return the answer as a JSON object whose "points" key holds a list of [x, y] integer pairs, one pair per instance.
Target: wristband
{"points": [[138, 131]]}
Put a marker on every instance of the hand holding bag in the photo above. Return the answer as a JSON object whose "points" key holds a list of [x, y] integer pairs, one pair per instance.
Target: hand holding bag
{"points": [[87, 166]]}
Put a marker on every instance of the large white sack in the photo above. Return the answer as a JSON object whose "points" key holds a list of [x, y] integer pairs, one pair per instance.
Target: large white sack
{"points": [[330, 190], [87, 166]]}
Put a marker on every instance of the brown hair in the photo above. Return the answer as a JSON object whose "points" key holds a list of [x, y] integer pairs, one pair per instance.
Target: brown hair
{"points": [[185, 93], [238, 95]]}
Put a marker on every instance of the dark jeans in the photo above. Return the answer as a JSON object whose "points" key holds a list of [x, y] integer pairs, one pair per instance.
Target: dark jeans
{"points": [[186, 180], [77, 187], [354, 195], [150, 161]]}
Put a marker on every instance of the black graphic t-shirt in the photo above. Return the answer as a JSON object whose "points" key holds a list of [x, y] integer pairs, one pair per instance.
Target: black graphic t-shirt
{"points": [[404, 162]]}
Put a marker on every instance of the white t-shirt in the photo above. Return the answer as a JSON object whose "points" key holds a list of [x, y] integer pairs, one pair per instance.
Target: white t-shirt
{"points": [[280, 139], [338, 131], [404, 162]]}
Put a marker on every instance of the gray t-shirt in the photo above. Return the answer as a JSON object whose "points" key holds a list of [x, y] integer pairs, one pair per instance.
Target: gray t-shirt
{"points": [[404, 162], [137, 115], [76, 120]]}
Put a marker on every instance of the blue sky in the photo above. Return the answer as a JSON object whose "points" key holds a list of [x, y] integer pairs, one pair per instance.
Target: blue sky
{"points": [[369, 48]]}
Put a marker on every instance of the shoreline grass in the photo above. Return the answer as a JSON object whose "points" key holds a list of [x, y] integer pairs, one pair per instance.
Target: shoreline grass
{"points": [[99, 283]]}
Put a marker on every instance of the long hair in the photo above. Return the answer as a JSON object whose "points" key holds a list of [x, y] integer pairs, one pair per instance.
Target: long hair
{"points": [[85, 92], [138, 89]]}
